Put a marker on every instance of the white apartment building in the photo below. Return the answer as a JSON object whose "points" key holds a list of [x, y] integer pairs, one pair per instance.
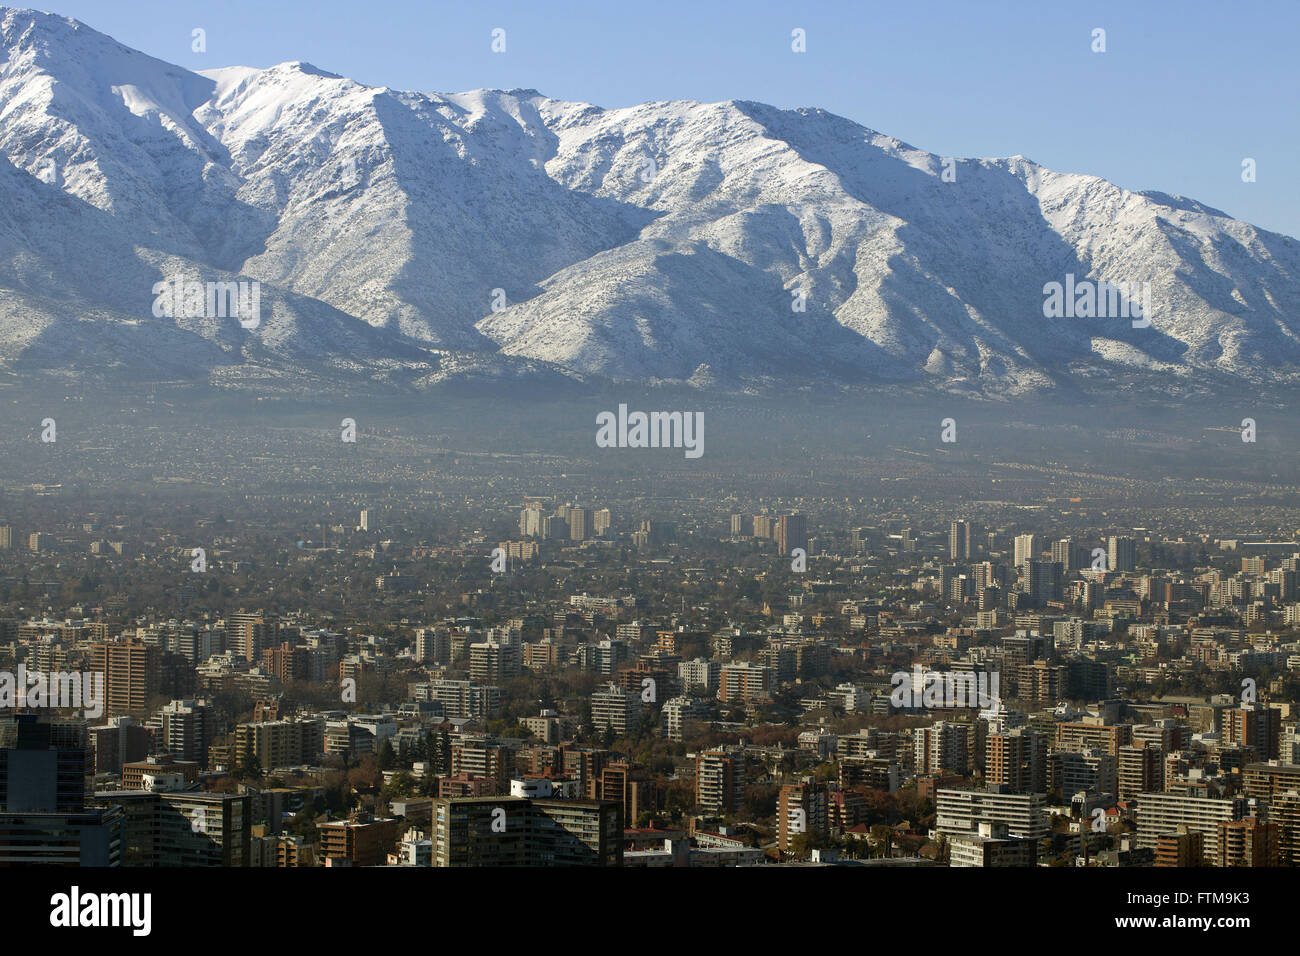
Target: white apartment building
{"points": [[960, 812]]}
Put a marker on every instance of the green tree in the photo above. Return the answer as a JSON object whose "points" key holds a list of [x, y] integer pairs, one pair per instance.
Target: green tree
{"points": [[444, 754], [402, 785], [251, 768]]}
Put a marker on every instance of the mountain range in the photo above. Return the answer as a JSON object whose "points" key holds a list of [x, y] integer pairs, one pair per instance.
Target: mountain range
{"points": [[404, 239]]}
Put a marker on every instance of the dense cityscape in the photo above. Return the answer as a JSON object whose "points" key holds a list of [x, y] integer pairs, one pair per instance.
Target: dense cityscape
{"points": [[450, 452], [446, 658]]}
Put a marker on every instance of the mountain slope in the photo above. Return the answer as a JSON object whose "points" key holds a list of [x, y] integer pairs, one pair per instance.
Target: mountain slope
{"points": [[410, 237]]}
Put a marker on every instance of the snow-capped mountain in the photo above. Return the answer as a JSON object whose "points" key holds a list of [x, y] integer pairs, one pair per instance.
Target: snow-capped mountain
{"points": [[412, 236]]}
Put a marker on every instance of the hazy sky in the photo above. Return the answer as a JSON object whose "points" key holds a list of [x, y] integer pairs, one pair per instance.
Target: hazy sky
{"points": [[1184, 92]]}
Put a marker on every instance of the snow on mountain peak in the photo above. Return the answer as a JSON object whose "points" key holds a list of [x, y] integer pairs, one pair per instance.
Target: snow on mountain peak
{"points": [[643, 242]]}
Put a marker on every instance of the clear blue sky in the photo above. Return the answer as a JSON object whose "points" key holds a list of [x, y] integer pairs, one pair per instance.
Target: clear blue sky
{"points": [[1185, 90]]}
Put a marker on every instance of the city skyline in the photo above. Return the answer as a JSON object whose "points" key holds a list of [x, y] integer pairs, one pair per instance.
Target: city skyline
{"points": [[501, 439]]}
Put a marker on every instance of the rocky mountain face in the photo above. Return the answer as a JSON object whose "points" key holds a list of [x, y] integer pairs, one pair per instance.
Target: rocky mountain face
{"points": [[405, 239]]}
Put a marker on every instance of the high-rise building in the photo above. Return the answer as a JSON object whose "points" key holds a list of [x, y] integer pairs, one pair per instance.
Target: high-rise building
{"points": [[677, 712], [44, 821], [6, 537], [959, 588], [1017, 760], [960, 812], [39, 541], [578, 524], [960, 541], [1248, 842], [801, 808], [1122, 554], [433, 645], [484, 757], [1254, 725], [987, 574], [947, 574], [989, 845], [583, 764], [360, 840], [741, 526], [621, 783], [44, 764], [1070, 556], [1042, 683], [943, 746], [279, 743], [720, 780], [171, 828], [791, 533], [1183, 847], [120, 740], [493, 661], [700, 672], [248, 634], [1027, 548], [616, 709], [1161, 814], [601, 522], [654, 533], [1043, 581], [1093, 735], [1284, 810], [288, 662], [365, 520], [530, 520], [1071, 772], [744, 682], [1141, 769], [132, 675], [464, 699], [518, 831], [184, 731]]}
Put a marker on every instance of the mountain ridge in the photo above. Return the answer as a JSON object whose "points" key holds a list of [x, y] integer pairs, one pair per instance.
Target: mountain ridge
{"points": [[402, 236]]}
